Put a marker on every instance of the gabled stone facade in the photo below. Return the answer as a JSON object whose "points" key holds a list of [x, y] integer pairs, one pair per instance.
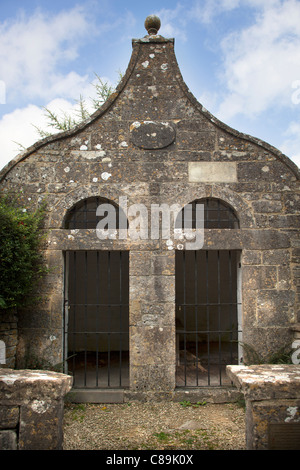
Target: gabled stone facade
{"points": [[153, 143]]}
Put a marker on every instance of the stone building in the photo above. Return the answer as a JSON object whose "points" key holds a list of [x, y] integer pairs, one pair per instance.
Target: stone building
{"points": [[142, 306]]}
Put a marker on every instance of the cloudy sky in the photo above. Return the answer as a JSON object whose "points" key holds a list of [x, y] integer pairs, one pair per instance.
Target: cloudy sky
{"points": [[240, 58]]}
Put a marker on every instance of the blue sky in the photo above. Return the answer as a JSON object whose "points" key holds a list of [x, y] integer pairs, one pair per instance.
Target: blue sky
{"points": [[240, 59]]}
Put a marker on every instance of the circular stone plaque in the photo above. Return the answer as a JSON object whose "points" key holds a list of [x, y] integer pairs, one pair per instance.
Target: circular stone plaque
{"points": [[152, 134]]}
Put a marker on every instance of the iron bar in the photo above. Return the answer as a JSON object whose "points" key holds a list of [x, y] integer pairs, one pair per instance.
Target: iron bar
{"points": [[120, 320], [109, 318], [196, 311], [97, 330], [207, 304], [207, 320], [217, 214], [97, 318], [184, 315], [219, 313], [74, 310], [85, 315]]}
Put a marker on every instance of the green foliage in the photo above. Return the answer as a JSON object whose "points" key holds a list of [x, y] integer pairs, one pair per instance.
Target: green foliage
{"points": [[186, 404], [162, 436], [21, 262], [282, 356], [65, 121]]}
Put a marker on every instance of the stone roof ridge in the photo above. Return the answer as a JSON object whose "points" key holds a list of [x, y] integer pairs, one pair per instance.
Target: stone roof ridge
{"points": [[137, 44]]}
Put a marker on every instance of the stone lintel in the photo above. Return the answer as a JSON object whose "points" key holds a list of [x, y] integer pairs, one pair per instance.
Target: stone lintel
{"points": [[234, 239]]}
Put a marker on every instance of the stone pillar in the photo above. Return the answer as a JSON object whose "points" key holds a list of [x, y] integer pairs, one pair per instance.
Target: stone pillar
{"points": [[272, 394], [152, 321], [31, 409]]}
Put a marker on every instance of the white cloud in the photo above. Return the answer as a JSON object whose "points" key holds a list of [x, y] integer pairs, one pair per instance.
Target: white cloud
{"points": [[19, 129], [172, 22], [291, 145], [207, 10], [32, 49], [262, 61]]}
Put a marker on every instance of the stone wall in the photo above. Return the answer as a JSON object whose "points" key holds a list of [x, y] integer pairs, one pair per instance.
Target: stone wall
{"points": [[153, 143], [31, 409]]}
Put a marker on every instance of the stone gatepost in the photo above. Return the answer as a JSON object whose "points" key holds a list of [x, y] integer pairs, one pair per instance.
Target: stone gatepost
{"points": [[31, 409], [152, 322], [272, 394]]}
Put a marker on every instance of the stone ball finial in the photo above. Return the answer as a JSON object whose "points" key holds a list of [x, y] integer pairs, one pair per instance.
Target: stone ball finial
{"points": [[152, 24]]}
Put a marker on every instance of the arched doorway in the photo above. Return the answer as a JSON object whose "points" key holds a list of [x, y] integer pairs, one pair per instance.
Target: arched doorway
{"points": [[96, 307], [208, 303]]}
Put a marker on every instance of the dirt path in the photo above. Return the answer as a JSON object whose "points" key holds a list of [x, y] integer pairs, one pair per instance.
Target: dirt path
{"points": [[159, 426]]}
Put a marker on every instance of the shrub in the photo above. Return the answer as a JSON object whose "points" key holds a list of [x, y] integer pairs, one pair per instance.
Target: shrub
{"points": [[21, 261]]}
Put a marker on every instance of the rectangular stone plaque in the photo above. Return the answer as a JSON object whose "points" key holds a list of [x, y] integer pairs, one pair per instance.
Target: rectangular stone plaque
{"points": [[212, 172], [285, 436]]}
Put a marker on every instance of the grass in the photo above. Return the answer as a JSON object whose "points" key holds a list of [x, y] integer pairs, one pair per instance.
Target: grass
{"points": [[186, 404], [199, 439], [78, 412]]}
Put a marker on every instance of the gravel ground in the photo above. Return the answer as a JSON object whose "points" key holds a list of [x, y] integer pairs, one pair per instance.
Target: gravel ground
{"points": [[154, 426]]}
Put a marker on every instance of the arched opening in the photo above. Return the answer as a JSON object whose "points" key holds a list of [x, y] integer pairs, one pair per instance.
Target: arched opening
{"points": [[217, 214], [208, 304], [83, 215], [96, 306]]}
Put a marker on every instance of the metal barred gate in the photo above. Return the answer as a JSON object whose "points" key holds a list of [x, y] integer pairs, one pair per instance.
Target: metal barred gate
{"points": [[208, 316], [96, 318]]}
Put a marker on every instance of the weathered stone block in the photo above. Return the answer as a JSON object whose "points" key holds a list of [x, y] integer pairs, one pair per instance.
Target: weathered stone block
{"points": [[40, 397], [152, 377], [276, 257], [152, 344], [9, 417], [163, 264], [272, 396], [140, 263], [273, 307], [41, 425], [194, 140], [267, 206], [8, 440], [266, 381], [152, 289], [212, 172], [260, 277], [17, 386]]}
